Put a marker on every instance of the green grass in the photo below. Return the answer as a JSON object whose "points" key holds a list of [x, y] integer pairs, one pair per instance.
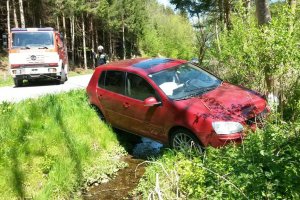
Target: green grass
{"points": [[6, 80], [265, 166], [53, 145], [80, 71]]}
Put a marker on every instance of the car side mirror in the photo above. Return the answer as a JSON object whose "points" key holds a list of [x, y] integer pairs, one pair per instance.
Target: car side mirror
{"points": [[151, 101], [4, 41]]}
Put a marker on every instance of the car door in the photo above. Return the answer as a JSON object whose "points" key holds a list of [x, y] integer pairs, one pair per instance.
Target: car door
{"points": [[141, 119], [110, 93]]}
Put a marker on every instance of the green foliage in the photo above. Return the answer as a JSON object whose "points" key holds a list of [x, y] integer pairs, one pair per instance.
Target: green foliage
{"points": [[167, 34], [52, 145], [264, 166], [253, 56]]}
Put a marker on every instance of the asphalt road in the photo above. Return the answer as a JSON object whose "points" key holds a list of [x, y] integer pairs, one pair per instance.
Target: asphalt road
{"points": [[37, 89]]}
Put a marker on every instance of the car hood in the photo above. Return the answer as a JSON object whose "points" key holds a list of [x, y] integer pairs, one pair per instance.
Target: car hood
{"points": [[227, 103]]}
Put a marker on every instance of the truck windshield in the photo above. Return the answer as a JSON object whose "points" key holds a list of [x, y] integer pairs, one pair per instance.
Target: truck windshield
{"points": [[32, 39]]}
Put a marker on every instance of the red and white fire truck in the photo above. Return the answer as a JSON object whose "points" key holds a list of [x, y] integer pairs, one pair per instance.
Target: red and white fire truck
{"points": [[37, 53]]}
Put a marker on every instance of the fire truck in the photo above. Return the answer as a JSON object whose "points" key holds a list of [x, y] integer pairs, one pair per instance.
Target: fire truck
{"points": [[37, 53]]}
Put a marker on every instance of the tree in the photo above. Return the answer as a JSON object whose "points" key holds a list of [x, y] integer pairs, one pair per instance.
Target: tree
{"points": [[262, 12], [22, 14]]}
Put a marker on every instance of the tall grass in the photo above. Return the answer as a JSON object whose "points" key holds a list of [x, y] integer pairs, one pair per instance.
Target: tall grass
{"points": [[52, 145], [265, 166]]}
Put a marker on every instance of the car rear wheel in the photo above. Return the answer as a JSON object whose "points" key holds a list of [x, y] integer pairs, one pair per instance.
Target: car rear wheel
{"points": [[184, 140], [18, 82]]}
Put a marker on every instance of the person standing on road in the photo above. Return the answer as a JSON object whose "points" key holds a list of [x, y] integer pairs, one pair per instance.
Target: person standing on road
{"points": [[102, 58]]}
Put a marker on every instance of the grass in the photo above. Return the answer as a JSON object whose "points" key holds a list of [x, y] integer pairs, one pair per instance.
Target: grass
{"points": [[52, 146], [5, 79], [265, 166]]}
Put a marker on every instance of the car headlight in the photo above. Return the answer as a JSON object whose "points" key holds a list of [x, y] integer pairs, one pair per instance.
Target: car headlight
{"points": [[225, 128]]}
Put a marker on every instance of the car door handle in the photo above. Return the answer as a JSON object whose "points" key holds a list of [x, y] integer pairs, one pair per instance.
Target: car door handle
{"points": [[126, 105], [100, 97]]}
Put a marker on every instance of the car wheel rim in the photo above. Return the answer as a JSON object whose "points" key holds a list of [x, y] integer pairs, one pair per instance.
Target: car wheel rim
{"points": [[184, 142]]}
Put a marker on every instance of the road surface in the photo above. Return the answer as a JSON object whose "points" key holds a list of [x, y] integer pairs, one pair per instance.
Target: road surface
{"points": [[13, 94]]}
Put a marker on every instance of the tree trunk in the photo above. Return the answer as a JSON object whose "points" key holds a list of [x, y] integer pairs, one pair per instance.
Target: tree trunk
{"points": [[247, 4], [110, 45], [23, 25], [8, 21], [83, 41], [227, 12], [73, 39], [15, 14], [97, 38], [264, 18], [263, 12], [123, 38], [57, 24], [93, 42], [221, 10], [65, 30]]}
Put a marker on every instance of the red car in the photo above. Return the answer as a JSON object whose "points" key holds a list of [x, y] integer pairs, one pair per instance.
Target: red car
{"points": [[174, 102]]}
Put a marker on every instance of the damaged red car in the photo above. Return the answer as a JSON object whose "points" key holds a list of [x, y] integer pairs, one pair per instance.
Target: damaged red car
{"points": [[174, 102]]}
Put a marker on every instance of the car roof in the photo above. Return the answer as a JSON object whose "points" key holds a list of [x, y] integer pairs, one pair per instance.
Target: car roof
{"points": [[143, 65]]}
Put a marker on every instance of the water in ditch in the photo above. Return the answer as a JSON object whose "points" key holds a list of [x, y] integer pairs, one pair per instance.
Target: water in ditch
{"points": [[126, 179]]}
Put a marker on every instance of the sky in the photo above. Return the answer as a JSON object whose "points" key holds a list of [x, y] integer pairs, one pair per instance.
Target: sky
{"points": [[166, 3]]}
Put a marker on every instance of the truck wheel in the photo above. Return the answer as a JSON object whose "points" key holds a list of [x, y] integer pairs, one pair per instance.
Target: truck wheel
{"points": [[18, 82], [63, 77]]}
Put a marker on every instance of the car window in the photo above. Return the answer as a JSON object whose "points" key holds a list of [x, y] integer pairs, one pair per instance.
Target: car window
{"points": [[185, 81], [102, 79], [115, 81], [139, 88]]}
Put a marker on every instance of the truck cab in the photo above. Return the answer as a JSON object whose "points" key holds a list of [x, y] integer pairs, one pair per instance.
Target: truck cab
{"points": [[37, 53]]}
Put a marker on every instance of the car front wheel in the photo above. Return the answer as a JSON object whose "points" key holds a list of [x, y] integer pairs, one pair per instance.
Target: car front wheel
{"points": [[184, 140]]}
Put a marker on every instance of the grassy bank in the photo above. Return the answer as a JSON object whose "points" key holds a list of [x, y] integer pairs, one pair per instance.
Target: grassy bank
{"points": [[265, 166], [53, 145]]}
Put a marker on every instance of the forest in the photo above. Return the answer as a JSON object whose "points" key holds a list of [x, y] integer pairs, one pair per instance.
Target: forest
{"points": [[125, 28], [252, 43]]}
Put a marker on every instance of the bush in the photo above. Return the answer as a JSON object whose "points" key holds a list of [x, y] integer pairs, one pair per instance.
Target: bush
{"points": [[265, 166]]}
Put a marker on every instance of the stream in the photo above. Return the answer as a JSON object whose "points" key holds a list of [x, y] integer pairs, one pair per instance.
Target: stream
{"points": [[127, 179]]}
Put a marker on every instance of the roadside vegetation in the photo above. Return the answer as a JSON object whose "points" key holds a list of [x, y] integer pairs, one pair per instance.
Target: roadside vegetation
{"points": [[53, 146], [266, 164]]}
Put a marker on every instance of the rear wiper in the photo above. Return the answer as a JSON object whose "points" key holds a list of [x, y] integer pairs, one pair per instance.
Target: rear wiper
{"points": [[43, 47]]}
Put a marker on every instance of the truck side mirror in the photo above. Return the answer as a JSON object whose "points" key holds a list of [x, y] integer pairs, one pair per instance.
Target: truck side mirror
{"points": [[4, 41]]}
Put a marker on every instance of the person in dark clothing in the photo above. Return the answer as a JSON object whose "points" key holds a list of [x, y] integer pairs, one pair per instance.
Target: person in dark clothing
{"points": [[102, 57]]}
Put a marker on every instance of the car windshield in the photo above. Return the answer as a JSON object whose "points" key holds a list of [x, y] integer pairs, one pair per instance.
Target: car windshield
{"points": [[184, 81], [32, 39]]}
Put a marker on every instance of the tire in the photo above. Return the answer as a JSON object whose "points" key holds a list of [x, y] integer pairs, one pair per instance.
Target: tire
{"points": [[184, 140], [63, 77], [18, 82]]}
